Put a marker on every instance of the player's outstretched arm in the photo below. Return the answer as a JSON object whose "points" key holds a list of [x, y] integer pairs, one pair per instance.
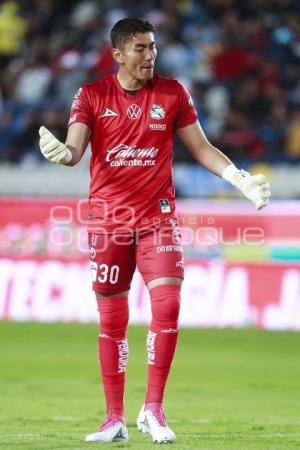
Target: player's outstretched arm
{"points": [[69, 153], [254, 187]]}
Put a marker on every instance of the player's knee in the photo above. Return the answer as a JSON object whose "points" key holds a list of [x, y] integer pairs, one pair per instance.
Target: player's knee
{"points": [[114, 316], [165, 312], [165, 305], [114, 325]]}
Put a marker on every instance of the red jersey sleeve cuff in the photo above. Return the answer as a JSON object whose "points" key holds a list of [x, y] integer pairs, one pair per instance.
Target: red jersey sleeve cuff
{"points": [[187, 123], [79, 120]]}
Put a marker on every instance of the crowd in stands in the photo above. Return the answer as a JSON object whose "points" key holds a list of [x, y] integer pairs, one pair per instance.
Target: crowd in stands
{"points": [[240, 59]]}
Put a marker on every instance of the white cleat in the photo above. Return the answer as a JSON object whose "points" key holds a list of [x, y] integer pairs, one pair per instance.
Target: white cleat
{"points": [[155, 425], [116, 432]]}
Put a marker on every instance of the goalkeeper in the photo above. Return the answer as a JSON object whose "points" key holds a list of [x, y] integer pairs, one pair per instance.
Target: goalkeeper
{"points": [[130, 119]]}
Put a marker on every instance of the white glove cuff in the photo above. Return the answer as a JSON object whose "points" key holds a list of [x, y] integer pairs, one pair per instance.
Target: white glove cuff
{"points": [[234, 175], [68, 156]]}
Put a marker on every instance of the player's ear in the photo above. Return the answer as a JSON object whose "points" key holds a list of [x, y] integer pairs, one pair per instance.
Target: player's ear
{"points": [[117, 55]]}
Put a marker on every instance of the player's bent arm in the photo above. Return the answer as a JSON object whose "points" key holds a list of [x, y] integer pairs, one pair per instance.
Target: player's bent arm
{"points": [[69, 153], [206, 154], [254, 187], [77, 140]]}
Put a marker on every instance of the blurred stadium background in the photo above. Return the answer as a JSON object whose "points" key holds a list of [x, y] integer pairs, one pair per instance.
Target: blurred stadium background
{"points": [[241, 62]]}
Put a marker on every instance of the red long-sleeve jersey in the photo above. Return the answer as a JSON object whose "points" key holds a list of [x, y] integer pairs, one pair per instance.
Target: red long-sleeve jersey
{"points": [[132, 138]]}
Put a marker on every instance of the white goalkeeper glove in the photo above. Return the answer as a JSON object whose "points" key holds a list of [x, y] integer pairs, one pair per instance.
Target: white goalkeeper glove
{"points": [[52, 149], [254, 187]]}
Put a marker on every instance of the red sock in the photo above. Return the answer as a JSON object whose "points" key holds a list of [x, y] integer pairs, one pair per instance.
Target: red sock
{"points": [[113, 351], [161, 340]]}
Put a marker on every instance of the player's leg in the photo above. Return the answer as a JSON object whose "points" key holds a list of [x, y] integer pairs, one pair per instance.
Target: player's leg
{"points": [[113, 271], [161, 264], [162, 335], [113, 352]]}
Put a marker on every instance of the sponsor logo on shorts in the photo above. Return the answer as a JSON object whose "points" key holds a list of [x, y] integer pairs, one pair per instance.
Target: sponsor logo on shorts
{"points": [[176, 237], [151, 336], [169, 248], [180, 263], [94, 239], [92, 253], [93, 269]]}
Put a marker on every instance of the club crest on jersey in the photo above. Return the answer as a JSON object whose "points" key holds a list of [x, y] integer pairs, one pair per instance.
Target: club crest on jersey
{"points": [[134, 111], [157, 112]]}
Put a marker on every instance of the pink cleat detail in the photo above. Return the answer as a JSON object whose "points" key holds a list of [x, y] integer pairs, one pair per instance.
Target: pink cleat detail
{"points": [[153, 422], [112, 430], [158, 412], [110, 421]]}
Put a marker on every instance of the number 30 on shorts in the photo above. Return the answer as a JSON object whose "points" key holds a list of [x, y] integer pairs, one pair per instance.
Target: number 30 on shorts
{"points": [[104, 273]]}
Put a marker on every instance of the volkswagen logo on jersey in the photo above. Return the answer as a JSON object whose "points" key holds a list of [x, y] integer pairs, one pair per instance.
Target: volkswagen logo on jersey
{"points": [[134, 111], [157, 112]]}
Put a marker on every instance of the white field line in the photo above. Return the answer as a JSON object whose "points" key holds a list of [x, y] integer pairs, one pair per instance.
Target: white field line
{"points": [[20, 435], [37, 418], [35, 434], [68, 418], [240, 435], [200, 421], [186, 435], [192, 421]]}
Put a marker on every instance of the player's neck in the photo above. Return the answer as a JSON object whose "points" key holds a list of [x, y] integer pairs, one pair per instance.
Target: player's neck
{"points": [[128, 83]]}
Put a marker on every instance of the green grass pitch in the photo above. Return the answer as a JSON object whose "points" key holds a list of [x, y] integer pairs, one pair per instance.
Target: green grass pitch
{"points": [[229, 389]]}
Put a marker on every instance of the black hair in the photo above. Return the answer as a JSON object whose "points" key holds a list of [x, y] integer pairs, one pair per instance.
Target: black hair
{"points": [[125, 29]]}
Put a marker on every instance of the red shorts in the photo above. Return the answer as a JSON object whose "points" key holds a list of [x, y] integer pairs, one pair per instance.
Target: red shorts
{"points": [[114, 257]]}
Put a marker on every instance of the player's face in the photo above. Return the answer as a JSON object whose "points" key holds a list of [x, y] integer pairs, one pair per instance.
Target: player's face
{"points": [[138, 56]]}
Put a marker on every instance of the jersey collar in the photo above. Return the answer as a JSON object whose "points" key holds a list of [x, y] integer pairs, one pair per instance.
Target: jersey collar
{"points": [[147, 86]]}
